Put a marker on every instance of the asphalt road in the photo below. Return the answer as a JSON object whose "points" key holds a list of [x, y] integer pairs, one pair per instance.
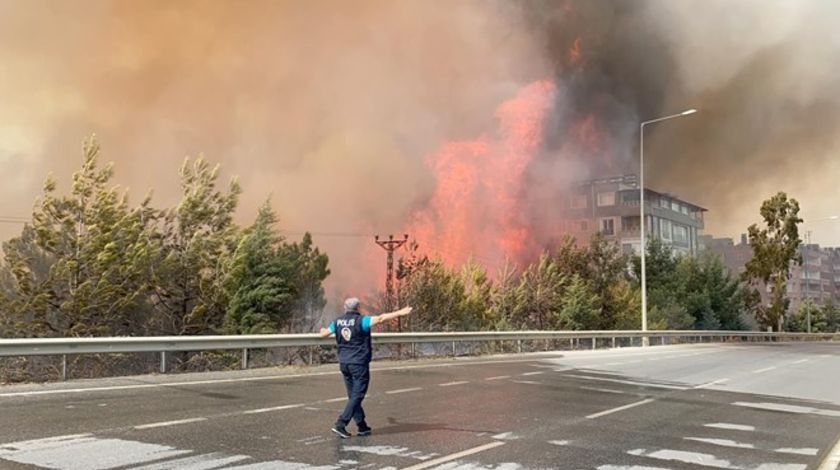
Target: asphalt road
{"points": [[763, 407]]}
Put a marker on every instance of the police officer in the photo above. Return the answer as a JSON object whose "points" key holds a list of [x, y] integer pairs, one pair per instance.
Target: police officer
{"points": [[352, 334]]}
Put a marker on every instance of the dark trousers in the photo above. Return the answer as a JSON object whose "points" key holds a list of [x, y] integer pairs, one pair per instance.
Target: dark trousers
{"points": [[356, 380]]}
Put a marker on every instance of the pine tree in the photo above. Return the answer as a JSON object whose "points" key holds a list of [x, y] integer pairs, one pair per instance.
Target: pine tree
{"points": [[82, 267], [198, 238], [262, 283]]}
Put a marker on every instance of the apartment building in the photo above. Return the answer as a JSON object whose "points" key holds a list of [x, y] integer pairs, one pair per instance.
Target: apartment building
{"points": [[611, 206], [818, 278]]}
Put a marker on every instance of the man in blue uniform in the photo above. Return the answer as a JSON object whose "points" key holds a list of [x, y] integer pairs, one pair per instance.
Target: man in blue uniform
{"points": [[352, 334]]}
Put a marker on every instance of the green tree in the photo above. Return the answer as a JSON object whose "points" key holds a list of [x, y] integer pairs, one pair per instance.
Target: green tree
{"points": [[798, 321], [262, 285], [774, 250], [437, 295], [198, 239], [311, 269], [504, 297], [606, 266], [83, 267], [581, 307], [540, 294], [832, 317]]}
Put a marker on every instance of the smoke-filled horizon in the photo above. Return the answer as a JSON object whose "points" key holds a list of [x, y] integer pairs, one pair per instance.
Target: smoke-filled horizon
{"points": [[357, 116]]}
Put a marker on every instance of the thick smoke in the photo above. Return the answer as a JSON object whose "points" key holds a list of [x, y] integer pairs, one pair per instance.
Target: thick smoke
{"points": [[332, 106]]}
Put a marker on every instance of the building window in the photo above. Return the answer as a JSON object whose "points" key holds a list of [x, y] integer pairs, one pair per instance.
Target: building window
{"points": [[665, 229], [584, 226], [578, 202], [680, 234], [663, 202], [627, 249], [675, 206], [608, 226], [684, 209], [606, 199]]}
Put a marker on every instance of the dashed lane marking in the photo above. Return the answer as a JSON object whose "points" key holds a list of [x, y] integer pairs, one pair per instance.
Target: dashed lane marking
{"points": [[404, 390], [163, 424], [273, 408], [620, 408], [457, 455], [449, 384]]}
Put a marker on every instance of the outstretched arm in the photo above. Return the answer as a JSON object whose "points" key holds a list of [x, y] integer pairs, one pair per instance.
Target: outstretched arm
{"points": [[327, 331], [389, 316]]}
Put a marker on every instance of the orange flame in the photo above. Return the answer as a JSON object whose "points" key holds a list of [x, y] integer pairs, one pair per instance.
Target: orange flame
{"points": [[474, 211]]}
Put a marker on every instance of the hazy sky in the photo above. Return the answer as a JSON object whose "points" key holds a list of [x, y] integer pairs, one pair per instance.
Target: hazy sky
{"points": [[332, 107]]}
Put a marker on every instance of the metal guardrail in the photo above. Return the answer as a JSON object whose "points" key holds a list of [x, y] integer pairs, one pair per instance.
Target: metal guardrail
{"points": [[164, 344]]}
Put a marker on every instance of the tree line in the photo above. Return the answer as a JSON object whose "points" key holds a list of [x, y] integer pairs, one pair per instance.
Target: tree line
{"points": [[91, 264]]}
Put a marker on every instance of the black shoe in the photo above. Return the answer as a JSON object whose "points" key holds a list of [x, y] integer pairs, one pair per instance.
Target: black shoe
{"points": [[364, 431], [341, 431]]}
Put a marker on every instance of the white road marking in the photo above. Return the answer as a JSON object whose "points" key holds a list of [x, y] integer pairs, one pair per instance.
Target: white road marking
{"points": [[798, 451], [560, 443], [532, 373], [825, 355], [75, 452], [403, 390], [697, 458], [196, 462], [620, 408], [709, 460], [390, 450], [832, 460], [449, 384], [628, 382], [457, 455], [729, 426], [759, 371], [333, 400], [789, 408], [713, 382], [800, 361], [606, 390], [629, 467], [282, 465], [528, 382], [498, 377], [721, 442], [273, 408], [169, 423], [505, 436]]}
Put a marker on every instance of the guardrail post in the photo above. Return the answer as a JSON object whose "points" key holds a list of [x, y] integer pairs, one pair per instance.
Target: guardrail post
{"points": [[519, 346], [244, 358], [662, 343], [613, 342], [311, 349], [594, 342], [64, 367], [163, 362], [453, 350]]}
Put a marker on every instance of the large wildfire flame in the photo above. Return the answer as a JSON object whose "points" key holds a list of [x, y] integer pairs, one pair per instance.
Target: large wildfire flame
{"points": [[475, 211]]}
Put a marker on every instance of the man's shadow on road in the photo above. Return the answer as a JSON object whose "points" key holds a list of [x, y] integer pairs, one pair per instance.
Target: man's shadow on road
{"points": [[396, 427]]}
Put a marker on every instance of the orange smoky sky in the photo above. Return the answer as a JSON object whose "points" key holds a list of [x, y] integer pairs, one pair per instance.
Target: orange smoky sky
{"points": [[332, 108]]}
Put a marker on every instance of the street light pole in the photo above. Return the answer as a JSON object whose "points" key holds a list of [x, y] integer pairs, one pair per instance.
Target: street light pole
{"points": [[807, 281], [643, 247]]}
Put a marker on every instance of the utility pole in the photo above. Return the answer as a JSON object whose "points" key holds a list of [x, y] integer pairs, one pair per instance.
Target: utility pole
{"points": [[390, 246]]}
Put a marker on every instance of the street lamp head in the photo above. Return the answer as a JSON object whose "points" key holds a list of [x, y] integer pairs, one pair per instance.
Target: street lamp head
{"points": [[688, 111]]}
